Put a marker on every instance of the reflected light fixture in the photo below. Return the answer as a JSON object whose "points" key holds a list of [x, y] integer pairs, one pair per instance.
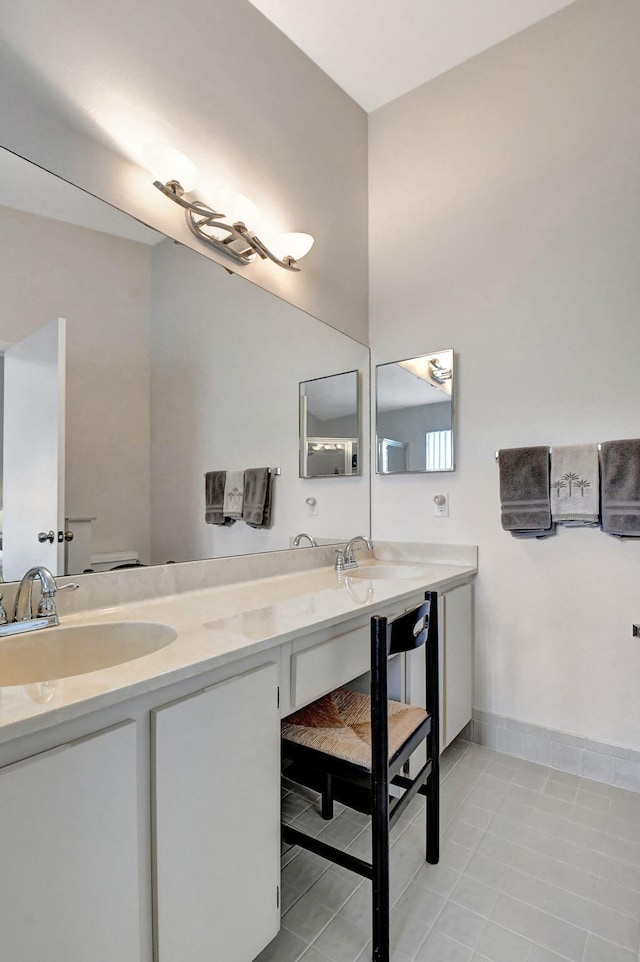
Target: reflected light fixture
{"points": [[225, 230], [438, 372], [429, 368]]}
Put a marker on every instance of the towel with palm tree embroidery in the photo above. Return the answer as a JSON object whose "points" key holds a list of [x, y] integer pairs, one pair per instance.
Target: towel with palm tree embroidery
{"points": [[575, 485]]}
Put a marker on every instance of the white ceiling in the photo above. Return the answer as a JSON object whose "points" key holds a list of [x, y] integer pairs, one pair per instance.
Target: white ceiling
{"points": [[377, 50]]}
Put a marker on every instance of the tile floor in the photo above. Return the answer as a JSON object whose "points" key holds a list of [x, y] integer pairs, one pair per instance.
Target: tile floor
{"points": [[536, 866]]}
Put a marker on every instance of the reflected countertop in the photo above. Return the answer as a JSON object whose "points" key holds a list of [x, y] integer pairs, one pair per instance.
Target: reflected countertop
{"points": [[215, 626]]}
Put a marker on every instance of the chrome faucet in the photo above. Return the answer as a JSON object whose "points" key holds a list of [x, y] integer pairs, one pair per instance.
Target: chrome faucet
{"points": [[47, 616], [298, 538], [346, 557]]}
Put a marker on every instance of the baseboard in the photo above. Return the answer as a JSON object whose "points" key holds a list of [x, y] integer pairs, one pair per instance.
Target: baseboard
{"points": [[567, 753]]}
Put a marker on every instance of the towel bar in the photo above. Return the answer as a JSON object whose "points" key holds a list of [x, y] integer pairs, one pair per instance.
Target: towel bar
{"points": [[277, 472], [497, 453]]}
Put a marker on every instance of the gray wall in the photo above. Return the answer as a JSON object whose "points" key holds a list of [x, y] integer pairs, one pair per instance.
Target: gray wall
{"points": [[227, 359], [411, 425], [101, 285], [518, 172], [82, 88], [344, 427]]}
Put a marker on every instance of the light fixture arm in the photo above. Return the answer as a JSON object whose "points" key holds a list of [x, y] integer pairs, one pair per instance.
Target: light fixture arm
{"points": [[239, 243], [438, 372]]}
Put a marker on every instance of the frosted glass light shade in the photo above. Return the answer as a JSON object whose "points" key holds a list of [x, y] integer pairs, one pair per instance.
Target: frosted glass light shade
{"points": [[236, 208], [166, 163], [294, 245]]}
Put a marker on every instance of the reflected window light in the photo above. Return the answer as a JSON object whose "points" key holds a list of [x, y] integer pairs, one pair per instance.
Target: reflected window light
{"points": [[439, 450]]}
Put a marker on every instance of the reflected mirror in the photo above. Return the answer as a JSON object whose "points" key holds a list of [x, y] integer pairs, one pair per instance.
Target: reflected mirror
{"points": [[330, 426], [170, 368], [414, 415]]}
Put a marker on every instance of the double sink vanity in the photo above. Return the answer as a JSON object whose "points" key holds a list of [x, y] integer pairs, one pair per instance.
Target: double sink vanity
{"points": [[140, 745]]}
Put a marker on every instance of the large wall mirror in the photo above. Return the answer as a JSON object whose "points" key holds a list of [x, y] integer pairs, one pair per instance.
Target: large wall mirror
{"points": [[330, 431], [414, 414], [170, 367]]}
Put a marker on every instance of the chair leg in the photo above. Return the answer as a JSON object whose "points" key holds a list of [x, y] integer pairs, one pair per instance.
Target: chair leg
{"points": [[433, 814], [326, 789], [380, 876], [381, 907]]}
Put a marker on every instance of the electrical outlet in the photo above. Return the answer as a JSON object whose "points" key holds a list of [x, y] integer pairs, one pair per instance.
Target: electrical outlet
{"points": [[313, 507], [441, 505]]}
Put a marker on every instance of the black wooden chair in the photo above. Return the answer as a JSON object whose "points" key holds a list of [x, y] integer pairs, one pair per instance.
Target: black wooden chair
{"points": [[353, 747]]}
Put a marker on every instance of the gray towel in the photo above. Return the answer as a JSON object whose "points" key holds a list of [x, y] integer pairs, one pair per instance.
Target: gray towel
{"points": [[621, 487], [258, 497], [524, 490], [214, 498]]}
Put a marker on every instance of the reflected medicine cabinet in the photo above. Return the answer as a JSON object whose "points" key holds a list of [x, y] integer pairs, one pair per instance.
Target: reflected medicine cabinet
{"points": [[414, 415], [330, 426]]}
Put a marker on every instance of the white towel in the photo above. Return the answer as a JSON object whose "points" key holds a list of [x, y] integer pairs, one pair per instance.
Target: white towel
{"points": [[233, 494], [575, 485]]}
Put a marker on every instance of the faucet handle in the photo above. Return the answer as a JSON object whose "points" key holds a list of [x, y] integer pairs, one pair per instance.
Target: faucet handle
{"points": [[3, 614], [47, 604], [340, 560], [54, 589]]}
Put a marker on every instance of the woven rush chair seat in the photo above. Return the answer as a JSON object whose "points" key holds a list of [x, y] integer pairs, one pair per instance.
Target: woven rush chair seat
{"points": [[339, 724]]}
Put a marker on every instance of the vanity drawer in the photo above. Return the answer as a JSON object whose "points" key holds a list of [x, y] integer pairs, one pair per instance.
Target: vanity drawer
{"points": [[321, 668]]}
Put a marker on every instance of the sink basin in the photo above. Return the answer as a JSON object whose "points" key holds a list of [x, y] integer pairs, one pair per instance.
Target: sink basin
{"points": [[387, 571], [52, 653]]}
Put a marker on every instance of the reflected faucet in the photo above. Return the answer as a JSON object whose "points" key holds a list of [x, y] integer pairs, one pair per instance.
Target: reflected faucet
{"points": [[346, 557], [298, 538], [47, 616]]}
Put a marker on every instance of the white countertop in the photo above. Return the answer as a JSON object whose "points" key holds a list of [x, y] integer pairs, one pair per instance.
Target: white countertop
{"points": [[215, 626]]}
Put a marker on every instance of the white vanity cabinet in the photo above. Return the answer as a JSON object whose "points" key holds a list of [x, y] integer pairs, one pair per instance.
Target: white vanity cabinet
{"points": [[456, 619], [69, 859], [455, 624], [325, 660], [216, 822], [144, 825]]}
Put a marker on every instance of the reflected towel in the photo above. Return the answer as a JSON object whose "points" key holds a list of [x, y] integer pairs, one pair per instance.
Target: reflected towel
{"points": [[214, 498], [258, 494], [524, 490], [575, 485], [233, 494], [538, 533], [621, 487]]}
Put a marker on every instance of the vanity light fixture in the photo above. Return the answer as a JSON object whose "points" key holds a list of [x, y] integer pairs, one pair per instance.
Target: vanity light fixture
{"points": [[226, 232], [429, 368], [438, 372]]}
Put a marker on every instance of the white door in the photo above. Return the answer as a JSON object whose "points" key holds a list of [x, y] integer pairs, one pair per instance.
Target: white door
{"points": [[34, 422]]}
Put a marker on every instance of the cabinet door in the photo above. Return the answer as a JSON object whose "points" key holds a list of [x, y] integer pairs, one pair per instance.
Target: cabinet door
{"points": [[217, 821], [455, 667], [458, 666], [69, 853]]}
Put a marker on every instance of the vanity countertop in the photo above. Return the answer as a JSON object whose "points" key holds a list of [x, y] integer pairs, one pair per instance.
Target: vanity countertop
{"points": [[215, 626]]}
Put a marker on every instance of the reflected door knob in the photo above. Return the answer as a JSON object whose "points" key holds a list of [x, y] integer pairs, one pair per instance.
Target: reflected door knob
{"points": [[46, 536], [67, 535]]}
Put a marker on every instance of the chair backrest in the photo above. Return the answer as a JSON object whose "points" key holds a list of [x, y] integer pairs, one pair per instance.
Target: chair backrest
{"points": [[404, 633], [409, 631]]}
